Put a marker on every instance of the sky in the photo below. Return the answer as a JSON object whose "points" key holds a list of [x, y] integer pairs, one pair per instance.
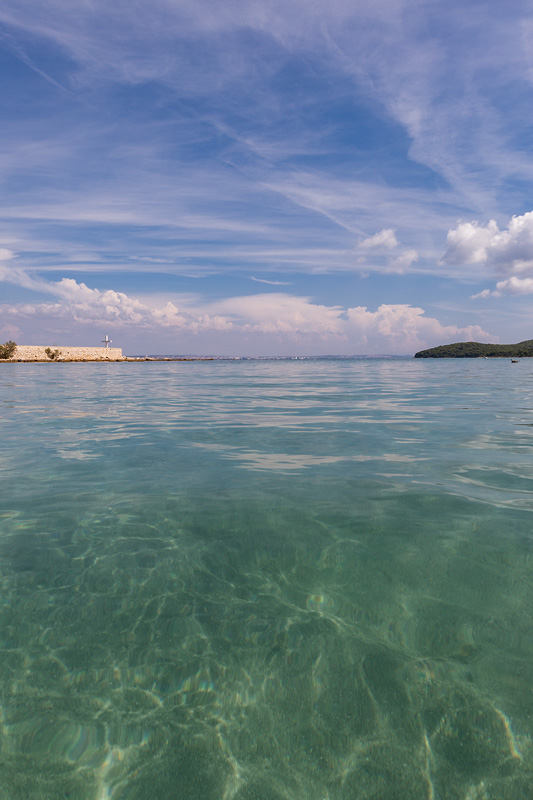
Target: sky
{"points": [[266, 177]]}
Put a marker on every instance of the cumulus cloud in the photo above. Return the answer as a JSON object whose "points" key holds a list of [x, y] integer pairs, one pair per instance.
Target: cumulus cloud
{"points": [[404, 328], [270, 316], [383, 239], [81, 304], [508, 251], [381, 242], [513, 285], [278, 312]]}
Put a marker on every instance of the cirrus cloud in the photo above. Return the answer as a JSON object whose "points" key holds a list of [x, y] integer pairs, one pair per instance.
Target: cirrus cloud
{"points": [[402, 263]]}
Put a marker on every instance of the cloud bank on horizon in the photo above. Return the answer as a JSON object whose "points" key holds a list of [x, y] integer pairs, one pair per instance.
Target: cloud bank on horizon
{"points": [[266, 177], [277, 315]]}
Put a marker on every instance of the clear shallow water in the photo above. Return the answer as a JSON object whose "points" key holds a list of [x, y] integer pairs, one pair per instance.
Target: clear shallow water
{"points": [[266, 580]]}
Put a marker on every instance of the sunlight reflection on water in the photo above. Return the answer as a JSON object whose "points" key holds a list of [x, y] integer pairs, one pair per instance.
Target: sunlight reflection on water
{"points": [[211, 588]]}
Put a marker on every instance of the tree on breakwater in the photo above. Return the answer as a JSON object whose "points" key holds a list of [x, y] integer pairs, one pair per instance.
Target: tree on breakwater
{"points": [[7, 350]]}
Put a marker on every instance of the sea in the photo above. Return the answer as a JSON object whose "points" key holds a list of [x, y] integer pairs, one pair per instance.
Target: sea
{"points": [[286, 579]]}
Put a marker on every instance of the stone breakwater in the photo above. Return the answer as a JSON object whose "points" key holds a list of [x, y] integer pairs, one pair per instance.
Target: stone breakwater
{"points": [[37, 353]]}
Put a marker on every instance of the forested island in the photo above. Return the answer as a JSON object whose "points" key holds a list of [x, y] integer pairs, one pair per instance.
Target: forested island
{"points": [[479, 350]]}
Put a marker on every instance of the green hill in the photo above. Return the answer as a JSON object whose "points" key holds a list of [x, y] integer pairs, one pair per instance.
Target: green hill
{"points": [[479, 350]]}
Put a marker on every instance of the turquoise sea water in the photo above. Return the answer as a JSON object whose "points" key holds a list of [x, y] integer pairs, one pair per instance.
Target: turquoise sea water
{"points": [[266, 580]]}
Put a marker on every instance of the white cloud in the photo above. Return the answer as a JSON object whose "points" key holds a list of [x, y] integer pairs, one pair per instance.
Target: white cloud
{"points": [[468, 243], [404, 328], [508, 251], [83, 305], [269, 318], [271, 283], [10, 331], [512, 285], [383, 239], [19, 277], [277, 312], [403, 262]]}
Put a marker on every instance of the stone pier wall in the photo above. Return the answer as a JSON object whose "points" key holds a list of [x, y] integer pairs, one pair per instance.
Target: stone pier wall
{"points": [[36, 353]]}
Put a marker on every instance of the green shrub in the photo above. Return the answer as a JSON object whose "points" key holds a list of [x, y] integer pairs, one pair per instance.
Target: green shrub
{"points": [[7, 350], [53, 355]]}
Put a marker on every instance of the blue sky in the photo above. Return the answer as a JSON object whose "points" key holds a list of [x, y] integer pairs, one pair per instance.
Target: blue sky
{"points": [[258, 177]]}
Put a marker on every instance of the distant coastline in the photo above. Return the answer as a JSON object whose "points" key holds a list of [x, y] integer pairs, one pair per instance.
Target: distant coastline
{"points": [[35, 354], [479, 350]]}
